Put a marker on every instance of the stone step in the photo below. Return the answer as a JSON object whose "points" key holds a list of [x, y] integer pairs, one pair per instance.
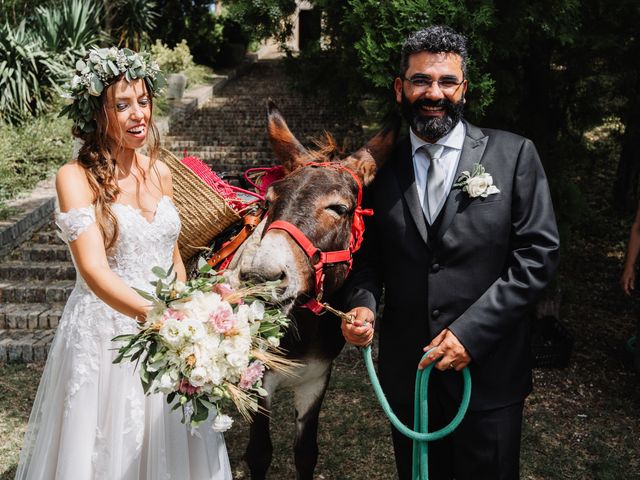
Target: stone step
{"points": [[31, 316], [23, 270], [250, 158], [205, 144], [15, 291], [25, 345], [39, 252], [47, 236]]}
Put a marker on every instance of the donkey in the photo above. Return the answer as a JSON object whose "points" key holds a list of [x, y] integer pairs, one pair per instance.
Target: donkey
{"points": [[313, 225]]}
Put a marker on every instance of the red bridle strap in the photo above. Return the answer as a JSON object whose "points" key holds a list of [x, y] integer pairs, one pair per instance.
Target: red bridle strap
{"points": [[325, 258]]}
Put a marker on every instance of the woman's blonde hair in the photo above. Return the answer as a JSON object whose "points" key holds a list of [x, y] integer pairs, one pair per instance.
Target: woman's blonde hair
{"points": [[97, 158]]}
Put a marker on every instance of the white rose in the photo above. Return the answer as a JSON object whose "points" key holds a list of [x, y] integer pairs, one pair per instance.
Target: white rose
{"points": [[222, 423], [168, 383], [172, 332], [216, 373], [198, 377], [477, 186], [238, 360], [237, 343]]}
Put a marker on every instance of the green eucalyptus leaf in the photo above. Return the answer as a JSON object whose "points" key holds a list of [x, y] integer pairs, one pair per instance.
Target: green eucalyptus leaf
{"points": [[159, 272]]}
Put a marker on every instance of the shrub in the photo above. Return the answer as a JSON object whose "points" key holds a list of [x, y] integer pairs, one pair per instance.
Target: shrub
{"points": [[172, 60], [29, 74], [71, 29], [32, 152]]}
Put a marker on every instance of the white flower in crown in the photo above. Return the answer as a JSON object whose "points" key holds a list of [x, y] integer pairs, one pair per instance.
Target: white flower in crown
{"points": [[478, 183]]}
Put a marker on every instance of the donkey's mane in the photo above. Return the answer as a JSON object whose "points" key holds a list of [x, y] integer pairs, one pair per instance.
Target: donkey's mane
{"points": [[327, 149]]}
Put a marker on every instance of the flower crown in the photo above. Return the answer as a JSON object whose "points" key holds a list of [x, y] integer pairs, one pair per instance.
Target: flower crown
{"points": [[99, 69]]}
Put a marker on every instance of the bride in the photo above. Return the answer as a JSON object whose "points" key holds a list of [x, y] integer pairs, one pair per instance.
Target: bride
{"points": [[91, 419]]}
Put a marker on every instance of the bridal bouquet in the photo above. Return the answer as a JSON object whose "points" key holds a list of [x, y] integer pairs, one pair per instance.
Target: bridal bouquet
{"points": [[206, 346]]}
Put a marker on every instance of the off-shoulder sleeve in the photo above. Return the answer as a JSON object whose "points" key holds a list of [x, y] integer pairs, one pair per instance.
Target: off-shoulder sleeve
{"points": [[74, 222]]}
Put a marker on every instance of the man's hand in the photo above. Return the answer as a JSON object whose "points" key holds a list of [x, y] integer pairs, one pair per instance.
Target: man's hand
{"points": [[360, 332], [447, 346]]}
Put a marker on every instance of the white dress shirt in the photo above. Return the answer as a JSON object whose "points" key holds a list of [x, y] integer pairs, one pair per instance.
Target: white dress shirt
{"points": [[452, 148]]}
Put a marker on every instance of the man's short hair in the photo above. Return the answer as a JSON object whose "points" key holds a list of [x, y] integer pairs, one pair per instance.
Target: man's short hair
{"points": [[434, 39]]}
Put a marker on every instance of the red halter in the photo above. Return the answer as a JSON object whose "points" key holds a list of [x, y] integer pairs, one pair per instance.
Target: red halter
{"points": [[326, 258]]}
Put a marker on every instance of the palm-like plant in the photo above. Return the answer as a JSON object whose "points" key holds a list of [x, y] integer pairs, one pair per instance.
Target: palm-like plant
{"points": [[71, 28], [135, 20], [28, 73]]}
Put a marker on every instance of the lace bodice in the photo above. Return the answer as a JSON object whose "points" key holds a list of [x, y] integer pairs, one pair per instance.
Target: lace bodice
{"points": [[141, 245]]}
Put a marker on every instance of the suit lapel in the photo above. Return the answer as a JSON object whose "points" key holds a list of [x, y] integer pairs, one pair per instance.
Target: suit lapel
{"points": [[407, 182], [475, 142]]}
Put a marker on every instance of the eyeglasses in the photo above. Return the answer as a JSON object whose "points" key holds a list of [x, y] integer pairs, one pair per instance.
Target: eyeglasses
{"points": [[422, 83]]}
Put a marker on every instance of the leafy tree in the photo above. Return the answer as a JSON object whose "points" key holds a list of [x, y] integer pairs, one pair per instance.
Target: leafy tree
{"points": [[362, 40], [133, 21], [193, 22], [551, 69]]}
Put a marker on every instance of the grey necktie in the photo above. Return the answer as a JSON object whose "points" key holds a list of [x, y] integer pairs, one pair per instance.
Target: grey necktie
{"points": [[436, 176]]}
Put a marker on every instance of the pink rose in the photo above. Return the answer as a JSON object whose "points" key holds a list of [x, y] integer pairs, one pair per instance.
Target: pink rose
{"points": [[222, 320], [173, 314], [251, 375], [187, 388]]}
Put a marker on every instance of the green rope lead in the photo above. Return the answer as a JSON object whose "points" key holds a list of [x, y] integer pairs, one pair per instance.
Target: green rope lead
{"points": [[420, 435]]}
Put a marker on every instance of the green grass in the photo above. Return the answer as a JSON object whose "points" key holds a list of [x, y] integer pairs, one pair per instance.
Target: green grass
{"points": [[30, 153], [18, 385], [580, 423]]}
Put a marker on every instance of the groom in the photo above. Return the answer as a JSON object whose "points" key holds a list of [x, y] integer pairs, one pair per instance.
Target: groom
{"points": [[461, 263]]}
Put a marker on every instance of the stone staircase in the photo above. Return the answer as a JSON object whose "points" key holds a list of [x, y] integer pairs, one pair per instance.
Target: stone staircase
{"points": [[35, 281], [229, 133]]}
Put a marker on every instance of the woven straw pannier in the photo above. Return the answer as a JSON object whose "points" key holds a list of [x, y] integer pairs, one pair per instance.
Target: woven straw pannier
{"points": [[204, 213]]}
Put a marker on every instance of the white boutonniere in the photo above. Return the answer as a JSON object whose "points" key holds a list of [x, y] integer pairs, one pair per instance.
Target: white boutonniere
{"points": [[478, 183]]}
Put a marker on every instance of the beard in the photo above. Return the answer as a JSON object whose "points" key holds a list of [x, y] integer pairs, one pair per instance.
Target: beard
{"points": [[432, 128]]}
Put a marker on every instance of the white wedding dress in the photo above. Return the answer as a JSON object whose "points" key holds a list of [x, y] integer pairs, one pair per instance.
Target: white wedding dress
{"points": [[91, 419]]}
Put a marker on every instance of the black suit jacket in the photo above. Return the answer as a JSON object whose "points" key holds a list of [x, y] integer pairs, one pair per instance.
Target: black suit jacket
{"points": [[478, 275]]}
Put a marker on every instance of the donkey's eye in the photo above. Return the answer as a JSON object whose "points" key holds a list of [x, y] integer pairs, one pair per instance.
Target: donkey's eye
{"points": [[338, 208]]}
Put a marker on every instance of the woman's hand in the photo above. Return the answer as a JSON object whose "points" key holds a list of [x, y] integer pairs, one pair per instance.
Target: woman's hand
{"points": [[628, 279]]}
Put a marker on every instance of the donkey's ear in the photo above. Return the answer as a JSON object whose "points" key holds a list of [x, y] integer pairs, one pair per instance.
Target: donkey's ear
{"points": [[367, 161], [287, 148]]}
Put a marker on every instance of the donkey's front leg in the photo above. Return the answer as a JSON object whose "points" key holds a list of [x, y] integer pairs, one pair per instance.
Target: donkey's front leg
{"points": [[260, 449], [308, 396]]}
